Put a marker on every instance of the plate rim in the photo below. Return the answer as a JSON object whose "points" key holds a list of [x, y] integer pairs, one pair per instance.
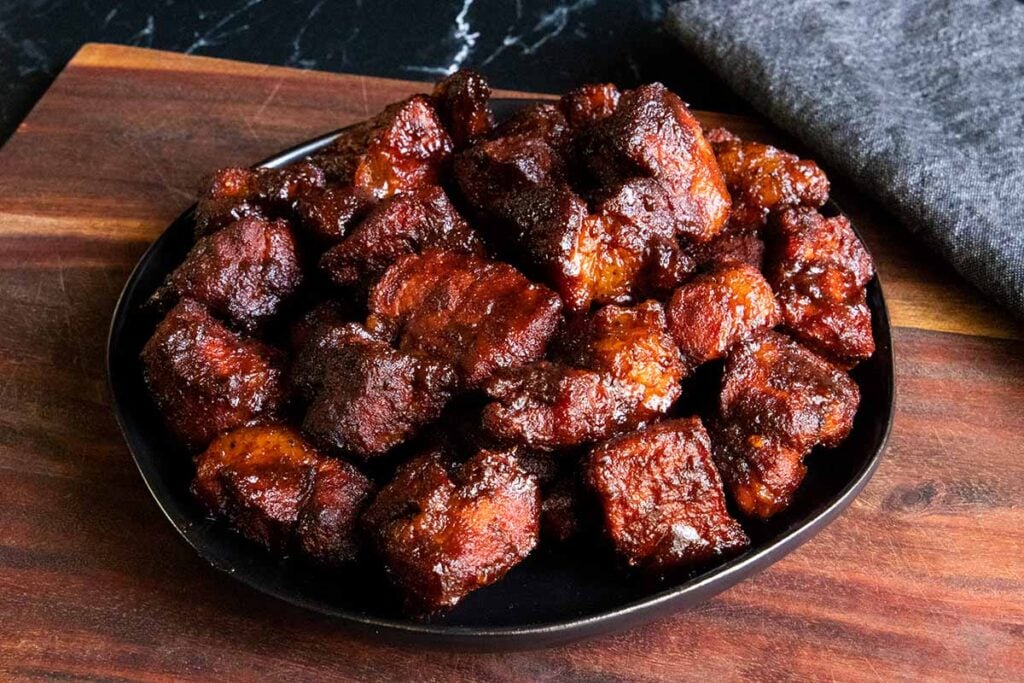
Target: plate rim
{"points": [[698, 588]]}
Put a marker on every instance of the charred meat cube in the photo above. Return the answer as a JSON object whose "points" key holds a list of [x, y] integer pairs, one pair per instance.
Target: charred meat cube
{"points": [[549, 405], [589, 103], [402, 147], [662, 497], [243, 272], [819, 270], [778, 401], [403, 224], [230, 194], [463, 100], [207, 379], [627, 370], [328, 526], [330, 311], [323, 342], [763, 180], [490, 170], [611, 256], [328, 214], [541, 121], [444, 531], [634, 348], [651, 134], [715, 310], [731, 246], [368, 397], [259, 479], [472, 313]]}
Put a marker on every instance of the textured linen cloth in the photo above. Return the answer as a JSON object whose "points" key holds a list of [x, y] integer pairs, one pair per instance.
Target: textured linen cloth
{"points": [[920, 102]]}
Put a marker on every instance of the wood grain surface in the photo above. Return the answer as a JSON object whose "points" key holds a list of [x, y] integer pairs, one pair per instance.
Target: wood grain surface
{"points": [[923, 577]]}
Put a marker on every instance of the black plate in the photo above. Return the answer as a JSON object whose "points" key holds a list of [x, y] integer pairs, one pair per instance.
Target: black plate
{"points": [[555, 595]]}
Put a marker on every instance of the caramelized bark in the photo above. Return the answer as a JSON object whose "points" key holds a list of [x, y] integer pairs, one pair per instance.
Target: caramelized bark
{"points": [[328, 526], [231, 194], [778, 401], [367, 397], [662, 498], [492, 170], [444, 531], [763, 180], [243, 272], [820, 270], [404, 224], [463, 101], [328, 214], [475, 314], [402, 147], [541, 121], [207, 379], [589, 103], [652, 134], [715, 310]]}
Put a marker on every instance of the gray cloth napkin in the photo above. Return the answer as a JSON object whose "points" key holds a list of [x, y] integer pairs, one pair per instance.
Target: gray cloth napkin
{"points": [[920, 102]]}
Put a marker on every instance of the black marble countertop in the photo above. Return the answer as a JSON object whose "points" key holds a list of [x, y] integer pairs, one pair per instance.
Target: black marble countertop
{"points": [[522, 44]]}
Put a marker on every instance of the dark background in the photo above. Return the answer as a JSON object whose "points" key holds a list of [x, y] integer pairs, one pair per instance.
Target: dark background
{"points": [[520, 44]]}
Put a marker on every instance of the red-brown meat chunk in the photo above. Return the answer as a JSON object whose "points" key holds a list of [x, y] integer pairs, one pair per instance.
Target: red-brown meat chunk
{"points": [[662, 497], [207, 379], [490, 170], [369, 397], [328, 214], [404, 224], [445, 531], [243, 272], [778, 401], [474, 314], [731, 246], [542, 121], [402, 147], [328, 527], [323, 341], [627, 371], [589, 103], [230, 194], [625, 249], [463, 101], [259, 479], [715, 310], [652, 134], [763, 180], [819, 270]]}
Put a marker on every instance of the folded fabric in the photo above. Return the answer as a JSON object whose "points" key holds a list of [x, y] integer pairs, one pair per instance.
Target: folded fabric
{"points": [[920, 102]]}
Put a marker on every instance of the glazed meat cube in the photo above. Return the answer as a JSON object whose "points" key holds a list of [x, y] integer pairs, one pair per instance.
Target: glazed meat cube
{"points": [[491, 170], [403, 224], [207, 379], [231, 194], [778, 401], [715, 310], [662, 498], [402, 147], [549, 405], [259, 479], [819, 270], [627, 371], [763, 180], [444, 531], [331, 311], [472, 313], [323, 342], [589, 103], [542, 121], [328, 214], [327, 529], [606, 257], [731, 246], [634, 348], [243, 272], [463, 101], [369, 398], [651, 134]]}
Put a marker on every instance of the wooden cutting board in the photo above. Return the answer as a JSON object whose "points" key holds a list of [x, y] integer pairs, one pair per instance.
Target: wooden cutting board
{"points": [[922, 576]]}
